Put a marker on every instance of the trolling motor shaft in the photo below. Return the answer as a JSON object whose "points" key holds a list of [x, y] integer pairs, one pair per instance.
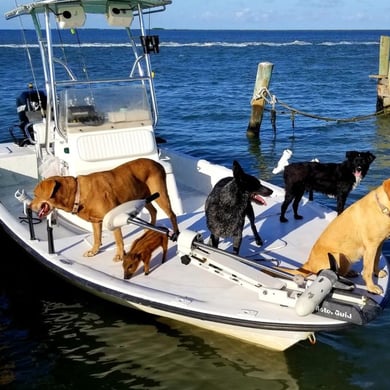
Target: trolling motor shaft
{"points": [[188, 240]]}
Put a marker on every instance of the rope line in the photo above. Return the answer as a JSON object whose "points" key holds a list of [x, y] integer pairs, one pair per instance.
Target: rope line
{"points": [[272, 100], [329, 119]]}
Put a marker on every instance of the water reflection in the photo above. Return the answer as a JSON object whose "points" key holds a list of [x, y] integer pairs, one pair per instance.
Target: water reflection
{"points": [[139, 352]]}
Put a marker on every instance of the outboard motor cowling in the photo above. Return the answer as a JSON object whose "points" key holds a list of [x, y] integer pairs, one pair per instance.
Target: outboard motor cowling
{"points": [[30, 101], [30, 106]]}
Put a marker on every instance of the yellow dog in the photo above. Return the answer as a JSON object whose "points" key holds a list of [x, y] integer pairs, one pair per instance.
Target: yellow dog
{"points": [[357, 233]]}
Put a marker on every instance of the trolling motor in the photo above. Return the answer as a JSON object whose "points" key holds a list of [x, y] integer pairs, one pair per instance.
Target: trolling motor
{"points": [[325, 282], [316, 292], [328, 295], [331, 294]]}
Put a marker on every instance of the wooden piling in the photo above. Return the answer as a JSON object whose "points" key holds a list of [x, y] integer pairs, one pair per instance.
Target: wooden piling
{"points": [[263, 78], [383, 83]]}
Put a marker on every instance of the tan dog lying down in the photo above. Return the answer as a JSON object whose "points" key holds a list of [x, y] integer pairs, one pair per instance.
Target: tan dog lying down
{"points": [[358, 232], [92, 196], [142, 250]]}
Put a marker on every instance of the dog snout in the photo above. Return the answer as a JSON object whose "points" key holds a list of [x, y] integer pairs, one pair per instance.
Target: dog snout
{"points": [[128, 273], [265, 191]]}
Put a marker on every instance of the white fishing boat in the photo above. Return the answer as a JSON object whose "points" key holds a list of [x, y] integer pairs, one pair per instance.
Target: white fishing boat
{"points": [[73, 123]]}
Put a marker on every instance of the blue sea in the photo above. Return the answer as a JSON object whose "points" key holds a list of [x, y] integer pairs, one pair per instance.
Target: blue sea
{"points": [[53, 335]]}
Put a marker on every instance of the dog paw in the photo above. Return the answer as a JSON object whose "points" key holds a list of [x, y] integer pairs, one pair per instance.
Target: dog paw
{"points": [[283, 219], [298, 216], [174, 236], [259, 242], [90, 253], [117, 259], [382, 273], [375, 289]]}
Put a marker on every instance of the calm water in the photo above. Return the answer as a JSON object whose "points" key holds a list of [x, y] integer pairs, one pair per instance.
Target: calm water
{"points": [[52, 335]]}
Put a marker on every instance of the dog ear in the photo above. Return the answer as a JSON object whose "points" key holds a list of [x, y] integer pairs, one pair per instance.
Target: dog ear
{"points": [[47, 188], [350, 154], [370, 157], [386, 186], [237, 170]]}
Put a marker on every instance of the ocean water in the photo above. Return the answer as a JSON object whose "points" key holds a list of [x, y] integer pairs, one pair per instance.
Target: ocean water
{"points": [[53, 335]]}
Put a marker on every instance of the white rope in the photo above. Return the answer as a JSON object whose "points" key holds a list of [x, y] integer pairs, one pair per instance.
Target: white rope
{"points": [[261, 94]]}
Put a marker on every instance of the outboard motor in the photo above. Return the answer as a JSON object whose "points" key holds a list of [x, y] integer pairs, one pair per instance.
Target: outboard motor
{"points": [[30, 101], [30, 105]]}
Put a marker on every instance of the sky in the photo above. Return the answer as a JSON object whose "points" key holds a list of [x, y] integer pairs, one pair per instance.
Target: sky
{"points": [[258, 14]]}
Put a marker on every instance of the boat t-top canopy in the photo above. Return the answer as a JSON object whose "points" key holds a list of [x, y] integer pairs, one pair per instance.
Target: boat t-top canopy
{"points": [[90, 6], [75, 96]]}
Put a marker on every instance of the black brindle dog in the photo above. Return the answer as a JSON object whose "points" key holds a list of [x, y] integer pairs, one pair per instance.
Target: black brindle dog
{"points": [[333, 179], [229, 202]]}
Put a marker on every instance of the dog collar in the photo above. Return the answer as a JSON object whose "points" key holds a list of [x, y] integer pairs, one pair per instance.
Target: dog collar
{"points": [[76, 199], [383, 208]]}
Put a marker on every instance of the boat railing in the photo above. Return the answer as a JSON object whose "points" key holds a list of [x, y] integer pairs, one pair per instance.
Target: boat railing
{"points": [[73, 78], [68, 71], [101, 81]]}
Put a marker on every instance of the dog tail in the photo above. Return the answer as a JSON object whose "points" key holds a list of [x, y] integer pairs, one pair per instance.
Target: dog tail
{"points": [[287, 153], [295, 271], [333, 266]]}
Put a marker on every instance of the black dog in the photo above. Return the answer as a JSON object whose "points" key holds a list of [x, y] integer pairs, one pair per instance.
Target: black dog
{"points": [[229, 202], [333, 179]]}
